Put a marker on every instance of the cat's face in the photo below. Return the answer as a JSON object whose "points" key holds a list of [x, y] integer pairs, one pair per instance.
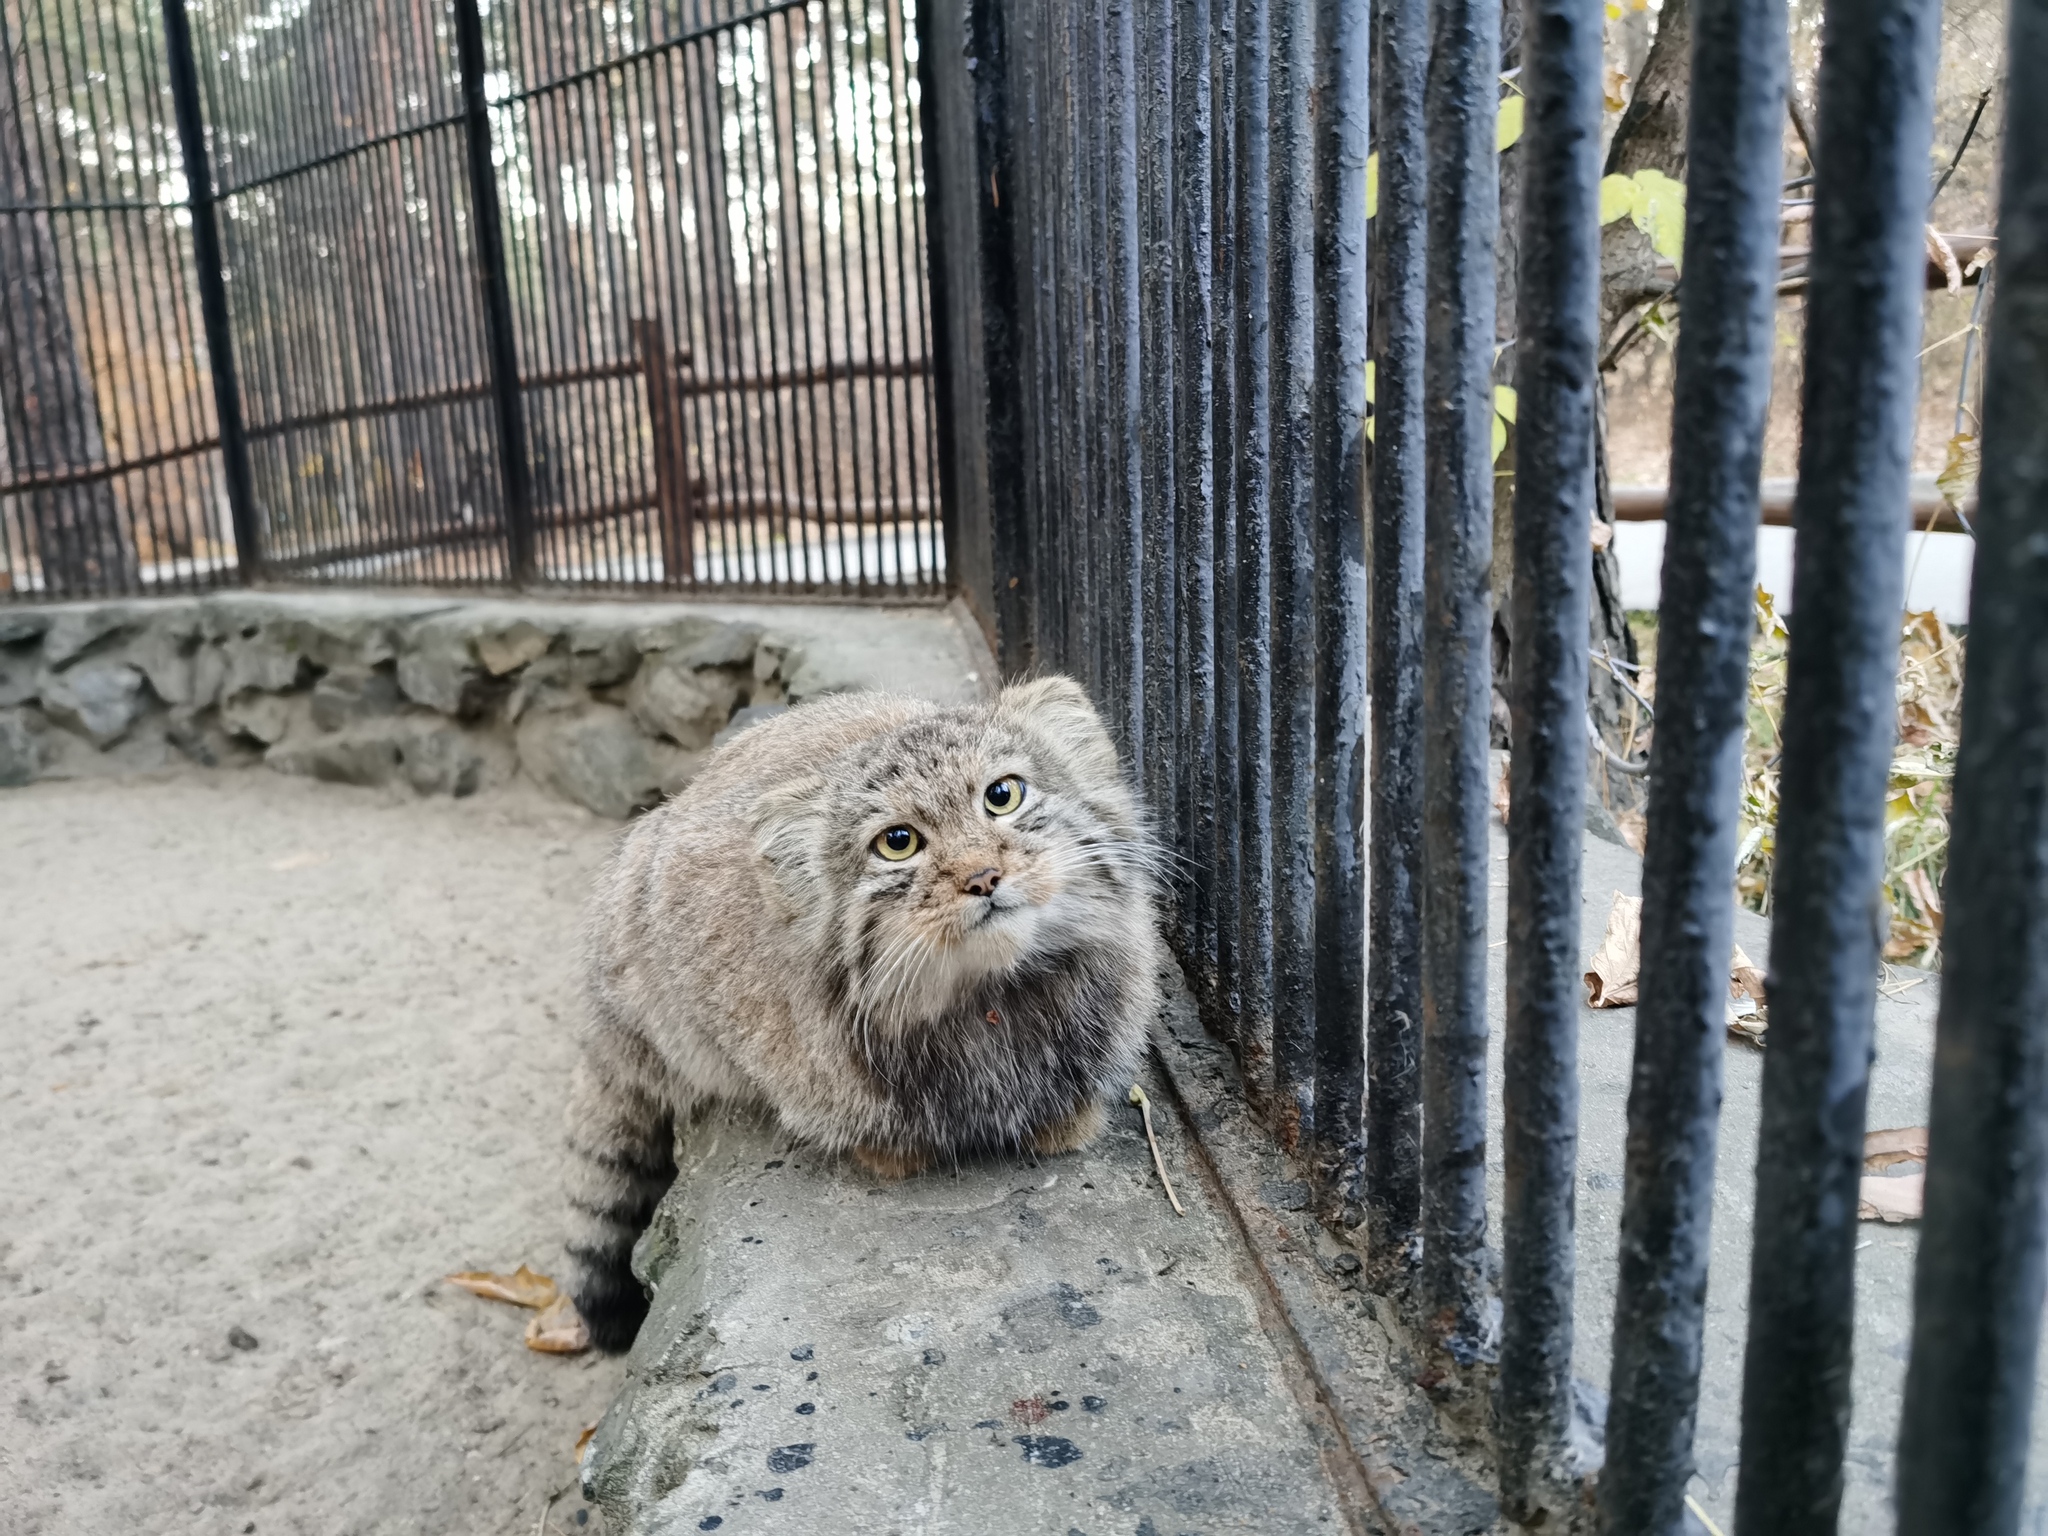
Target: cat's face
{"points": [[968, 843]]}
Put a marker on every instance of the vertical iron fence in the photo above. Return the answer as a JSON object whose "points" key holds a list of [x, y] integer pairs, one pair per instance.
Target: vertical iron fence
{"points": [[1152, 311], [111, 473], [447, 292]]}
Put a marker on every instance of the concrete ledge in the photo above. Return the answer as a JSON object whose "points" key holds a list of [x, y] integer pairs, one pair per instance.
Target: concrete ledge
{"points": [[1017, 1347], [611, 705]]}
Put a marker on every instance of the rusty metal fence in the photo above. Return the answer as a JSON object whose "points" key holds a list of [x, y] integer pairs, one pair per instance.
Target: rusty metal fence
{"points": [[442, 292], [1156, 325]]}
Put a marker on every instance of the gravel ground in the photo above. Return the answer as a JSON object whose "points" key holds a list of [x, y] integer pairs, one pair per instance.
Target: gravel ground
{"points": [[279, 1054]]}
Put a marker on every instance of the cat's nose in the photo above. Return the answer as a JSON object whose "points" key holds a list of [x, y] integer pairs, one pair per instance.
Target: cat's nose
{"points": [[982, 882]]}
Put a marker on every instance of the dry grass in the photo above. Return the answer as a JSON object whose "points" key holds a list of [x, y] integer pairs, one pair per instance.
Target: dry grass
{"points": [[1923, 764], [1930, 689]]}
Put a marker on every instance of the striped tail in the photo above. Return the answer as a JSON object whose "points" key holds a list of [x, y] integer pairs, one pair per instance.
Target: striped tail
{"points": [[621, 1162]]}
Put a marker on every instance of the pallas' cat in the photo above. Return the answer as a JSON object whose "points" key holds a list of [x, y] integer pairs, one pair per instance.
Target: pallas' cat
{"points": [[911, 932]]}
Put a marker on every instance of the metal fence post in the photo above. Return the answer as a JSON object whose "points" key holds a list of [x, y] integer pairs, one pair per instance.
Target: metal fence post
{"points": [[1559, 333], [1393, 1057], [501, 345], [1343, 84], [1848, 585], [1984, 1245], [1461, 107], [1721, 395], [213, 291]]}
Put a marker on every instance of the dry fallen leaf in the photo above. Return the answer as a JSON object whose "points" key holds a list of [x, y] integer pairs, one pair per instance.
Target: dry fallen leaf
{"points": [[1941, 254], [1634, 830], [1748, 1013], [1924, 895], [583, 1442], [523, 1287], [558, 1329], [1891, 1200], [1612, 973], [1906, 1144]]}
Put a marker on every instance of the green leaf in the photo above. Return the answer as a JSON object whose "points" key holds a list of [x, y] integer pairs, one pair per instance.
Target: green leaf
{"points": [[1371, 376], [1660, 212], [1504, 401], [1617, 198], [1372, 185], [1508, 126], [1500, 439]]}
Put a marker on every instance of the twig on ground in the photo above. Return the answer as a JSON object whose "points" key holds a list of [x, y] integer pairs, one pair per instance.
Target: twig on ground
{"points": [[542, 1523], [1137, 1097]]}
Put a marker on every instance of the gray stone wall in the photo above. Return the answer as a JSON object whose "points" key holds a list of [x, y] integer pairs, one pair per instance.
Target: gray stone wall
{"points": [[609, 705]]}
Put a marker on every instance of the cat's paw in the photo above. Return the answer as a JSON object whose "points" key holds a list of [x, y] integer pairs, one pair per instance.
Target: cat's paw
{"points": [[1070, 1134], [884, 1163]]}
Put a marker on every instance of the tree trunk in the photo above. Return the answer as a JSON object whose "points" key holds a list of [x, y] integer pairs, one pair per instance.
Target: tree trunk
{"points": [[1651, 135], [49, 415]]}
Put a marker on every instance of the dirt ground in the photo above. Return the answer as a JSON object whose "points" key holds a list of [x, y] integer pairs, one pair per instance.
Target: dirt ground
{"points": [[278, 1055]]}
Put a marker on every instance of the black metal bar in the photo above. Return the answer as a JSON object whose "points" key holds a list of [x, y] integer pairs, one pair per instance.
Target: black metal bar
{"points": [[1153, 552], [1457, 669], [1984, 1243], [501, 344], [1193, 253], [1721, 395], [1254, 547], [1393, 1056], [210, 275], [1343, 65], [1291, 315], [1860, 401], [1557, 337], [1222, 999], [336, 156], [128, 206]]}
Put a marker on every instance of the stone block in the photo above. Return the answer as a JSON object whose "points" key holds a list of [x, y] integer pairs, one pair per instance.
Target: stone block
{"points": [[1010, 1346], [776, 660], [21, 749], [602, 653], [687, 705], [440, 758], [699, 641], [98, 700], [678, 634], [197, 732], [262, 656], [72, 632], [351, 694], [168, 650], [433, 755], [20, 624], [260, 717], [20, 675], [438, 666], [596, 756], [354, 757], [507, 650]]}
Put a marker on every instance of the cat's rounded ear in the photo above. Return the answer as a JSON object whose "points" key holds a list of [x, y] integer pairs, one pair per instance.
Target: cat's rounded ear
{"points": [[1058, 710]]}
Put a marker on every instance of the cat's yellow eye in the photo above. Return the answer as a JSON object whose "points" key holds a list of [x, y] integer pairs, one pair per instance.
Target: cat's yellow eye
{"points": [[898, 844], [1003, 796]]}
